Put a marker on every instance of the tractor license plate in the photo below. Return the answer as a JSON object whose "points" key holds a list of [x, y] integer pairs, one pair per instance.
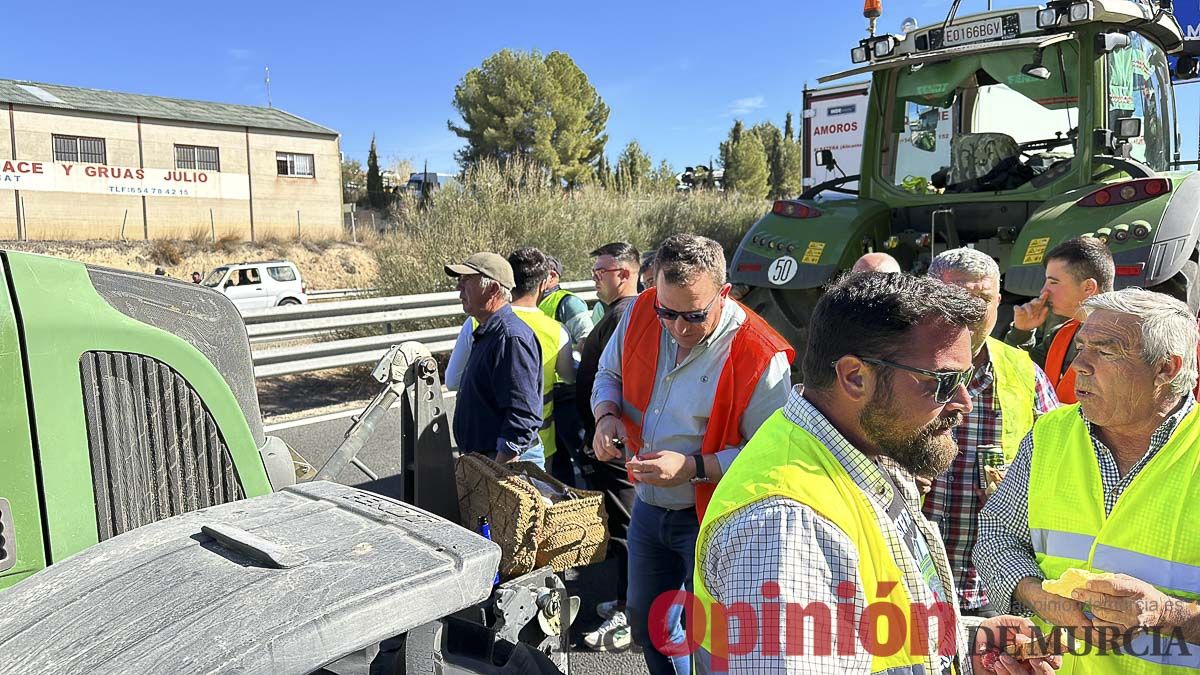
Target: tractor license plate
{"points": [[1003, 27]]}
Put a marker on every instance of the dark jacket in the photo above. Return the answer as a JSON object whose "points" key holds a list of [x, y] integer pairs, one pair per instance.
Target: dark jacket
{"points": [[499, 403]]}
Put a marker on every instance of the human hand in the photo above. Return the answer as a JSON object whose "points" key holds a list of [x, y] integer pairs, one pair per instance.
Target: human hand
{"points": [[998, 638], [664, 469], [1125, 602], [1032, 314], [924, 484], [609, 429], [1054, 609]]}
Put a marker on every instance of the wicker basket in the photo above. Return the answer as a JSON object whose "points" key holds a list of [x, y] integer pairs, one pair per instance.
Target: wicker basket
{"points": [[513, 508], [574, 532], [570, 533]]}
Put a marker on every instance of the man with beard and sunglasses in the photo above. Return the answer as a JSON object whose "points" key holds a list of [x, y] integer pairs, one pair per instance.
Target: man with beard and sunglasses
{"points": [[685, 379], [820, 509]]}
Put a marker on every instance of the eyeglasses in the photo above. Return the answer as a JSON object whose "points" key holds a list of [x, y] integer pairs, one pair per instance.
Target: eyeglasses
{"points": [[599, 272], [698, 316], [947, 382]]}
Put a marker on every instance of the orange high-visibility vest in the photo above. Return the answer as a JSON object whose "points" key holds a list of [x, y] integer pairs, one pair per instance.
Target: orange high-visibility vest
{"points": [[1064, 382], [755, 344]]}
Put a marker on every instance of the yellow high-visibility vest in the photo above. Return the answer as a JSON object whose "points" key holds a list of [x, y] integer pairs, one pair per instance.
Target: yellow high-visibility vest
{"points": [[1151, 533], [785, 460], [1014, 387]]}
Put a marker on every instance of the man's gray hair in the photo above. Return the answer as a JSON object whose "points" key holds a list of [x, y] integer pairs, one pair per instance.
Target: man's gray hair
{"points": [[1168, 328], [682, 258], [969, 261], [487, 282]]}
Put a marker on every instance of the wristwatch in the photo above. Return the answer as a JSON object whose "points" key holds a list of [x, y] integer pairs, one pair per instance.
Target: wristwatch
{"points": [[701, 476]]}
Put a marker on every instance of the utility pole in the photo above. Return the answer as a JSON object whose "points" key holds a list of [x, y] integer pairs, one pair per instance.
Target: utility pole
{"points": [[268, 82]]}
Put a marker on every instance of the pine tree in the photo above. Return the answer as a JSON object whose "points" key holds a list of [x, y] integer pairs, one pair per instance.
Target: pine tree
{"points": [[541, 107], [747, 170], [634, 167], [787, 128], [735, 135], [375, 194]]}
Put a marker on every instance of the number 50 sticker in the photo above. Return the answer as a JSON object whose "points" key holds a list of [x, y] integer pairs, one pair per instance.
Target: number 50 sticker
{"points": [[782, 270]]}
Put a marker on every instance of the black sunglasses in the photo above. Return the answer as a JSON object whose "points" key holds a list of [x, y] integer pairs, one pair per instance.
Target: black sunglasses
{"points": [[691, 317], [947, 382]]}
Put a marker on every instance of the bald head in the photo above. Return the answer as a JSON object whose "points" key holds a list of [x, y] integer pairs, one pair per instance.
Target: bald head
{"points": [[876, 262]]}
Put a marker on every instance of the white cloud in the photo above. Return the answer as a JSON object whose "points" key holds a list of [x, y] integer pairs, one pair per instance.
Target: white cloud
{"points": [[744, 106]]}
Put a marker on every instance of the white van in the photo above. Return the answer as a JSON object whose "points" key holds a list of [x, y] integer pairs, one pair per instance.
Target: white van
{"points": [[261, 284]]}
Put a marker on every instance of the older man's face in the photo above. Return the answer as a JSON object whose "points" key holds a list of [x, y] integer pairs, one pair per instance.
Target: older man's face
{"points": [[1114, 385], [986, 289], [471, 293]]}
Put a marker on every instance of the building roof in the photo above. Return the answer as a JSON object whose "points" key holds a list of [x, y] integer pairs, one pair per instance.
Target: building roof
{"points": [[119, 103]]}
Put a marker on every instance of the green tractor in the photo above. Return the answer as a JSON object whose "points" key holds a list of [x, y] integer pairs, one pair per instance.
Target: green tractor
{"points": [[1008, 131]]}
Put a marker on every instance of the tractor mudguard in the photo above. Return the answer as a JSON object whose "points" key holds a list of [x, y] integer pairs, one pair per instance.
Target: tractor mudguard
{"points": [[789, 252], [1173, 221], [278, 584]]}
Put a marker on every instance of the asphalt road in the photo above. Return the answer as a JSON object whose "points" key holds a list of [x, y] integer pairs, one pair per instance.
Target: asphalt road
{"points": [[316, 438]]}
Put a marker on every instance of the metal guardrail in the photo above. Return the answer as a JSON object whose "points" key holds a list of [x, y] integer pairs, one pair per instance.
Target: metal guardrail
{"points": [[301, 321], [336, 293]]}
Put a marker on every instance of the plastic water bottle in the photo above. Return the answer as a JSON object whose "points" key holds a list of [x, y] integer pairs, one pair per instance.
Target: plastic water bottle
{"points": [[486, 531]]}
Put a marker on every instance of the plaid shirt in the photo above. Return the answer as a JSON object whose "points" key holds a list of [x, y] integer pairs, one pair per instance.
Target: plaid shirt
{"points": [[953, 504], [1005, 550], [778, 539]]}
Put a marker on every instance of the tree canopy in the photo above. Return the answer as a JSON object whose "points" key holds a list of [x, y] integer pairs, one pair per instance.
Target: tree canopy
{"points": [[543, 107]]}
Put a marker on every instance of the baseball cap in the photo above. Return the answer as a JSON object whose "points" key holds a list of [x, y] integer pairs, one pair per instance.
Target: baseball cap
{"points": [[490, 265]]}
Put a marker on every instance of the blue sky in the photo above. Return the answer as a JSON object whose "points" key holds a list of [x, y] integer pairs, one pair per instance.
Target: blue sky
{"points": [[674, 74]]}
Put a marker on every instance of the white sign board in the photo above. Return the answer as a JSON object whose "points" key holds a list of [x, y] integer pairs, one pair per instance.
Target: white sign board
{"points": [[119, 180], [834, 119]]}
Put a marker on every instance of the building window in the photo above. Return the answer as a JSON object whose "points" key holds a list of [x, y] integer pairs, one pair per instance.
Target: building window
{"points": [[198, 157], [79, 149], [293, 164]]}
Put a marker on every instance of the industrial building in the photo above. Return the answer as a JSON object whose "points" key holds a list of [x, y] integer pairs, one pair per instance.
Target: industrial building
{"points": [[89, 164]]}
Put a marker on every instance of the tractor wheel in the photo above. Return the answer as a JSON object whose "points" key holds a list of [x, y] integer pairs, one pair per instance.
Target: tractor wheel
{"points": [[1184, 286], [787, 311]]}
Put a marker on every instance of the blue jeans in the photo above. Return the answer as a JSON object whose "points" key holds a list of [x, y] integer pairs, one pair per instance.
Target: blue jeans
{"points": [[662, 553]]}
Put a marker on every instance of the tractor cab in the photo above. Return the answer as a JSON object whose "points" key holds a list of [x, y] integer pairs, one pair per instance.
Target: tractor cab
{"points": [[1008, 131]]}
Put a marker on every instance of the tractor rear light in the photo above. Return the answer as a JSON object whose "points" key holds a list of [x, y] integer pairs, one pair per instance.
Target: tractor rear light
{"points": [[1103, 234], [923, 241], [858, 55], [749, 267], [891, 242], [1047, 18], [1140, 229], [1130, 270], [1126, 192], [1121, 233], [791, 209]]}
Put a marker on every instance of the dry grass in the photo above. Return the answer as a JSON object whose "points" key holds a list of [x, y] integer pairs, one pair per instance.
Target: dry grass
{"points": [[500, 209], [166, 252]]}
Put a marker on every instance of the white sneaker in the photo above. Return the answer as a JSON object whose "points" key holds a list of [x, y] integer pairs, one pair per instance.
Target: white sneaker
{"points": [[607, 609], [612, 635]]}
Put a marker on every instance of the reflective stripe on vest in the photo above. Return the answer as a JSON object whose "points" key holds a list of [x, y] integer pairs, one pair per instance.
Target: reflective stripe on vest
{"points": [[1147, 535], [751, 352], [785, 460], [548, 332], [1064, 382], [1013, 385]]}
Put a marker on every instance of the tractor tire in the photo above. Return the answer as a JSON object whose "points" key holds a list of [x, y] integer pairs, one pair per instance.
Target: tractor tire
{"points": [[788, 311], [1184, 286]]}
